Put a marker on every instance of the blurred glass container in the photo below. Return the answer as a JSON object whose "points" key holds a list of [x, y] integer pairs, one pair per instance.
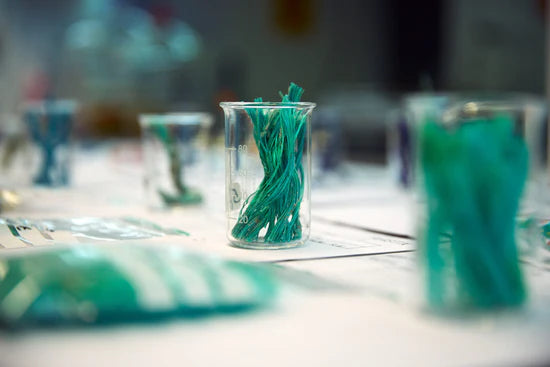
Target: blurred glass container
{"points": [[15, 153], [8, 200], [172, 151], [268, 173], [530, 113], [362, 111], [50, 123], [399, 148], [477, 160], [401, 131], [327, 142]]}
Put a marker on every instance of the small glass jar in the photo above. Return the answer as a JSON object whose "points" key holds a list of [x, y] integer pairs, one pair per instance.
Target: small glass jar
{"points": [[268, 173], [171, 151], [50, 124]]}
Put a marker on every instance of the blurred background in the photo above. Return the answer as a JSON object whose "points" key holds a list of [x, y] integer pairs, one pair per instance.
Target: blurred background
{"points": [[119, 58]]}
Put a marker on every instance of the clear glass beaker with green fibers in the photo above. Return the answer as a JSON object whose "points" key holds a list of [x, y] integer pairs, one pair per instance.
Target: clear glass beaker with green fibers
{"points": [[268, 171], [474, 162], [170, 149]]}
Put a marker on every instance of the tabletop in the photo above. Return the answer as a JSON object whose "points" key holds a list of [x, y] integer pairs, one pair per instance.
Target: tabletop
{"points": [[353, 294]]}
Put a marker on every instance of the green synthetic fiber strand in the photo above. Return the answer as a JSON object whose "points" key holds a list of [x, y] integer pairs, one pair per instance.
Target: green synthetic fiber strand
{"points": [[275, 206], [183, 194], [474, 174]]}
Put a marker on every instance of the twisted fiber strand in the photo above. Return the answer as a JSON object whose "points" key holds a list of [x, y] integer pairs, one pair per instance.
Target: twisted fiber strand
{"points": [[280, 137], [183, 194], [474, 176]]}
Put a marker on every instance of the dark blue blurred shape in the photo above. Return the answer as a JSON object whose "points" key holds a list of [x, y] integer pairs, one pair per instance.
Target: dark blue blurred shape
{"points": [[50, 124]]}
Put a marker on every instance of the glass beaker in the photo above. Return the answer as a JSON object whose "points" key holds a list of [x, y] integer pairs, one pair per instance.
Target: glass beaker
{"points": [[15, 152], [474, 159], [171, 153], [529, 112], [402, 142], [50, 123], [268, 173], [328, 145]]}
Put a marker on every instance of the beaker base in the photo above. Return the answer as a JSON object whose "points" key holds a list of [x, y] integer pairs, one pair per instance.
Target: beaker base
{"points": [[267, 245]]}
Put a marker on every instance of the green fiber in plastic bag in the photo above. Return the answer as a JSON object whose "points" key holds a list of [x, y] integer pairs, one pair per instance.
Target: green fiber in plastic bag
{"points": [[474, 173], [97, 285]]}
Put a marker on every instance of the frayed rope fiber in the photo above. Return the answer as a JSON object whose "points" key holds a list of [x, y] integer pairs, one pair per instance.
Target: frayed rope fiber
{"points": [[474, 173], [275, 206]]}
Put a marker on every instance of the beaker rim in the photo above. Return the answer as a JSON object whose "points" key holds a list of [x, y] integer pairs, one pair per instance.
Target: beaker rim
{"points": [[176, 118], [240, 105], [511, 98], [50, 105]]}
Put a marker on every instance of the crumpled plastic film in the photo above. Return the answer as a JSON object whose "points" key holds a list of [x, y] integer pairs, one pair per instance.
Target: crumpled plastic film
{"points": [[104, 285]]}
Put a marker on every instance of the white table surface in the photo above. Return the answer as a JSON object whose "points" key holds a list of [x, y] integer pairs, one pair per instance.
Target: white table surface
{"points": [[365, 310]]}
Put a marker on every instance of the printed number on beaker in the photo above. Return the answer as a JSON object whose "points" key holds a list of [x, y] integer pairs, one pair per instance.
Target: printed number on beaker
{"points": [[243, 148], [235, 193], [243, 219]]}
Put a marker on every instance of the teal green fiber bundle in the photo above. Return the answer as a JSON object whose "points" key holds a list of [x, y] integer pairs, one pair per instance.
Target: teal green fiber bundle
{"points": [[474, 173], [275, 206], [183, 195]]}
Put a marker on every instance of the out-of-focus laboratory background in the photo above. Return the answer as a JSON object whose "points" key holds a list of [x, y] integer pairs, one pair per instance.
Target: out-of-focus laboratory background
{"points": [[355, 292], [119, 58]]}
